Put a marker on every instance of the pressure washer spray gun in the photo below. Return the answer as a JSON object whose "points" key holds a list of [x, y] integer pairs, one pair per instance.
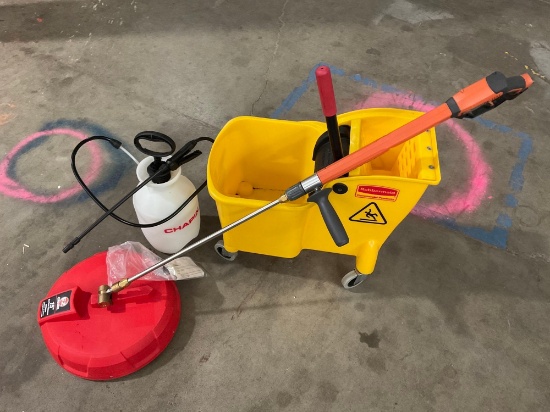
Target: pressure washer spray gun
{"points": [[472, 101]]}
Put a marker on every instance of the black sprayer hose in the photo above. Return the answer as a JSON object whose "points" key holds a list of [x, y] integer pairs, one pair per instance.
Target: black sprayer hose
{"points": [[110, 212]]}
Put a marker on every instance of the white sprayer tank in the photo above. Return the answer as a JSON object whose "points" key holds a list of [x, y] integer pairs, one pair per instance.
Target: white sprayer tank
{"points": [[156, 201]]}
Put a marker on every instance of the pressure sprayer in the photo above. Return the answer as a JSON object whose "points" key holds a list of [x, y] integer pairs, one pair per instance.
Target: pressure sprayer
{"points": [[165, 201]]}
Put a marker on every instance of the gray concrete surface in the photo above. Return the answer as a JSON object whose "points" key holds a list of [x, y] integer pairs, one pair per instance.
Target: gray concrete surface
{"points": [[455, 316]]}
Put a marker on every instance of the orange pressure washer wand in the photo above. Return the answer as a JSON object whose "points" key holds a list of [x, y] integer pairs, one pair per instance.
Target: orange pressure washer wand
{"points": [[478, 98]]}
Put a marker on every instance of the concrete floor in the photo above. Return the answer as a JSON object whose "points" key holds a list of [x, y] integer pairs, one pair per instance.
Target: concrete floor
{"points": [[455, 316]]}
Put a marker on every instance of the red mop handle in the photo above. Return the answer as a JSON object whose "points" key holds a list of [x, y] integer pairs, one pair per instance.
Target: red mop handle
{"points": [[479, 97], [326, 91], [328, 103]]}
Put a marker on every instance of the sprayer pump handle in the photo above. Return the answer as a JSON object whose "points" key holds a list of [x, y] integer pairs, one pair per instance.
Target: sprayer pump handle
{"points": [[151, 136]]}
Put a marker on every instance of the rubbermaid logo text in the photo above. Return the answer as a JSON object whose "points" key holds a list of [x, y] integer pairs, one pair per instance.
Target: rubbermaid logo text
{"points": [[377, 192]]}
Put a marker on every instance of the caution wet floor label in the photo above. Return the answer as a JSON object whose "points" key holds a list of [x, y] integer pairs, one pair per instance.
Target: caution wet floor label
{"points": [[371, 213]]}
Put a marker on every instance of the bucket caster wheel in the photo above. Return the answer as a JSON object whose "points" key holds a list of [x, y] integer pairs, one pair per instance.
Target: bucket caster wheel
{"points": [[220, 250], [352, 279]]}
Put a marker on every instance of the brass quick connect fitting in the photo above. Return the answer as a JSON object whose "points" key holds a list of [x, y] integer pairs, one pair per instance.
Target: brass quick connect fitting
{"points": [[121, 284]]}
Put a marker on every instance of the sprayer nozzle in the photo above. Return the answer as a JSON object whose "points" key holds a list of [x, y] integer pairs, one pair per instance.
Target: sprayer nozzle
{"points": [[71, 244]]}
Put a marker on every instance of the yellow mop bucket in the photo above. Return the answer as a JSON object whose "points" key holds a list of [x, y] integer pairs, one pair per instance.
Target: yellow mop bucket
{"points": [[253, 161]]}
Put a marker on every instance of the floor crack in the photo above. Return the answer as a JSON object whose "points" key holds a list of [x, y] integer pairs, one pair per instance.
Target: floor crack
{"points": [[281, 25], [248, 296]]}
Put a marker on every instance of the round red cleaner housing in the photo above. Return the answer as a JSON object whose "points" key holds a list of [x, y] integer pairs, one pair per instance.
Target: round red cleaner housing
{"points": [[106, 343]]}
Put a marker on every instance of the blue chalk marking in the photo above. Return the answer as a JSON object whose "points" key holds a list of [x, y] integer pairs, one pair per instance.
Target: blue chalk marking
{"points": [[390, 89], [492, 125], [511, 201], [498, 236], [293, 97], [517, 179], [366, 81], [115, 162], [111, 171], [504, 221]]}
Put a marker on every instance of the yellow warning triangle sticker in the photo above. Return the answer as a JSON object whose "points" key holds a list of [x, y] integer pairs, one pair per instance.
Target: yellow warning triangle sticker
{"points": [[371, 213]]}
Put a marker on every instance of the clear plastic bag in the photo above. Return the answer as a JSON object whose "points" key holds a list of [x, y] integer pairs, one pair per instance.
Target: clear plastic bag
{"points": [[130, 258]]}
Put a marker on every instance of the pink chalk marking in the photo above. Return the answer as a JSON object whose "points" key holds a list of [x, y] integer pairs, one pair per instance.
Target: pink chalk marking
{"points": [[11, 188], [465, 200]]}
